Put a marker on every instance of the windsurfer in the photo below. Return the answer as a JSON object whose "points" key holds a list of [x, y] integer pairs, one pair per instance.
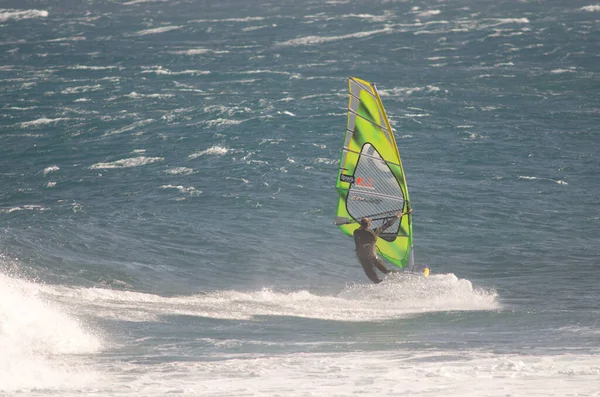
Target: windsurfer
{"points": [[365, 239]]}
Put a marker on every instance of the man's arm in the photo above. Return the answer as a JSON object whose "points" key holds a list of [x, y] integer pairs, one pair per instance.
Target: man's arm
{"points": [[387, 224]]}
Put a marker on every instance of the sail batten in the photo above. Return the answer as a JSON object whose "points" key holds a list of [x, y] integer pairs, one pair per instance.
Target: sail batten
{"points": [[358, 115], [371, 180], [353, 151]]}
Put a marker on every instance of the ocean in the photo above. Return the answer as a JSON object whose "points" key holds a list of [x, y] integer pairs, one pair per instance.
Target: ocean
{"points": [[167, 197]]}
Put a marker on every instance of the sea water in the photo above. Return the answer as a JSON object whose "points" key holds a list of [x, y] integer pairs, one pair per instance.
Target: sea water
{"points": [[167, 173]]}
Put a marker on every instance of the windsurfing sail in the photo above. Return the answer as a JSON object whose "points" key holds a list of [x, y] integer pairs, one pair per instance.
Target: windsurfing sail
{"points": [[371, 181]]}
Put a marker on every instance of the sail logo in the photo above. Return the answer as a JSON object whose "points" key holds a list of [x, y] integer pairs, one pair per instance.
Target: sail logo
{"points": [[347, 178], [371, 200], [364, 183]]}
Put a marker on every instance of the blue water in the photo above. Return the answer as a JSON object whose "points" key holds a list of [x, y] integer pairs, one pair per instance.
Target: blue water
{"points": [[167, 176]]}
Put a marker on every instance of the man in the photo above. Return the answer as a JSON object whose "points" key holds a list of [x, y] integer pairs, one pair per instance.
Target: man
{"points": [[365, 239]]}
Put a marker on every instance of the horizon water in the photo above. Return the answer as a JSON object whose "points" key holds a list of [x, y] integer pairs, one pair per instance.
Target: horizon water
{"points": [[167, 201]]}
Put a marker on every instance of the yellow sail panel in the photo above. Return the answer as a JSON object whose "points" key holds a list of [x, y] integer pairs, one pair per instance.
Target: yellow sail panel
{"points": [[371, 180]]}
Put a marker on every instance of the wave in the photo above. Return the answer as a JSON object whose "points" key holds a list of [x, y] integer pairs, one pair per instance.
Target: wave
{"points": [[50, 169], [253, 28], [366, 17], [313, 40], [561, 71], [81, 89], [130, 127], [591, 8], [160, 70], [409, 90], [127, 163], [214, 150], [182, 189], [17, 15], [87, 67], [36, 337], [371, 372], [245, 19], [41, 121], [71, 38], [355, 303], [133, 2], [505, 21], [534, 178], [135, 95], [27, 207], [200, 51], [179, 171], [162, 29], [429, 13], [229, 110], [222, 122]]}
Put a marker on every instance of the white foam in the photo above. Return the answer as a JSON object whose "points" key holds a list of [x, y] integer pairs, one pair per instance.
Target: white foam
{"points": [[237, 179], [214, 150], [179, 171], [50, 169], [322, 160], [26, 207], [560, 71], [534, 178], [429, 13], [373, 373], [133, 2], [504, 21], [160, 70], [356, 303], [88, 67], [312, 40], [127, 163], [409, 90], [70, 38], [81, 89], [17, 15], [271, 141], [22, 109], [223, 122], [245, 19], [130, 127], [162, 29], [200, 51], [182, 189], [37, 337], [41, 121], [369, 17], [135, 95], [591, 8], [253, 28], [228, 110]]}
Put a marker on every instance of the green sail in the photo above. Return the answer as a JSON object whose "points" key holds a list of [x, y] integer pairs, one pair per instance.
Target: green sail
{"points": [[371, 181]]}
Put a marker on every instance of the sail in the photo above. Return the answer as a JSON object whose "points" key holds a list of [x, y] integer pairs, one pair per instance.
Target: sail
{"points": [[371, 181]]}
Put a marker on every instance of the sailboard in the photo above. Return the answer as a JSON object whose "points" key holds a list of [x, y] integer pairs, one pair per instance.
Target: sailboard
{"points": [[371, 181]]}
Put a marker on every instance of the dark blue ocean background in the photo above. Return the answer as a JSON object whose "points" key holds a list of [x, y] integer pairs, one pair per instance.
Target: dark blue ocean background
{"points": [[167, 174]]}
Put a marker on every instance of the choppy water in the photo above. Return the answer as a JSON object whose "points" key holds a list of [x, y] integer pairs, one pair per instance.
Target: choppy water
{"points": [[167, 176]]}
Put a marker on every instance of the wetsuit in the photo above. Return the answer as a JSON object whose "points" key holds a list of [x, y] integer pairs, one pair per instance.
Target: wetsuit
{"points": [[365, 240]]}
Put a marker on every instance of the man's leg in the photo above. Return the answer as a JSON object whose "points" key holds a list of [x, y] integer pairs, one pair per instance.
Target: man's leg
{"points": [[379, 264], [370, 271]]}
